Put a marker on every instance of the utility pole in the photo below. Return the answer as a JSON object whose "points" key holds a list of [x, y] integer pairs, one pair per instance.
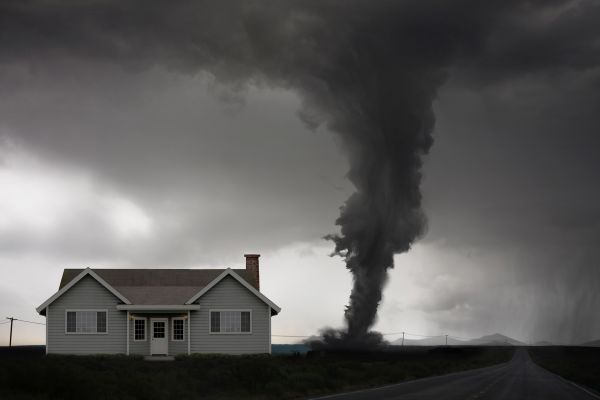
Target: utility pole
{"points": [[10, 337], [402, 338], [446, 340]]}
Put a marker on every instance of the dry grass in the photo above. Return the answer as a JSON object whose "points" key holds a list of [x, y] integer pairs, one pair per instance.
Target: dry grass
{"points": [[30, 375]]}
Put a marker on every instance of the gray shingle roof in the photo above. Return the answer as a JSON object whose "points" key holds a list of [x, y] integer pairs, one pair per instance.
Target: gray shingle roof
{"points": [[156, 286]]}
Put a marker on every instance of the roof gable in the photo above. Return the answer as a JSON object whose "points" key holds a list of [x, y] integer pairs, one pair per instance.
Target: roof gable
{"points": [[230, 272], [156, 286], [74, 281], [155, 277], [165, 287]]}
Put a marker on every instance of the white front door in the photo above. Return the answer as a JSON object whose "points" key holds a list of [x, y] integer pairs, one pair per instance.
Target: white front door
{"points": [[159, 335]]}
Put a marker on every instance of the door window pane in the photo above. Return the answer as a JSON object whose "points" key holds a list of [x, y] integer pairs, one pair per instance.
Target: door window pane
{"points": [[159, 330]]}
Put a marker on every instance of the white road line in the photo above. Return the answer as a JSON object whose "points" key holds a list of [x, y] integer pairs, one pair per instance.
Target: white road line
{"points": [[594, 395]]}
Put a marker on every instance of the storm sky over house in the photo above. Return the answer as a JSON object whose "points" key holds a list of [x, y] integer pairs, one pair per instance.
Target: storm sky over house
{"points": [[138, 135]]}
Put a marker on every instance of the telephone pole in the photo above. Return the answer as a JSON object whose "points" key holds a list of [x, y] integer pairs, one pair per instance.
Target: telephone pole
{"points": [[446, 340], [10, 337], [402, 338]]}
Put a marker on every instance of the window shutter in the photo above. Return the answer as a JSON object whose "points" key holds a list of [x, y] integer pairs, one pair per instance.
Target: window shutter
{"points": [[101, 321], [245, 321], [215, 321], [71, 321]]}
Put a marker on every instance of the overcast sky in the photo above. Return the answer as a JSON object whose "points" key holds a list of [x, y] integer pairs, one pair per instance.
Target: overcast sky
{"points": [[111, 156]]}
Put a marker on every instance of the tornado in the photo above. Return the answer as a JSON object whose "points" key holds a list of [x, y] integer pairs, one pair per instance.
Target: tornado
{"points": [[367, 71]]}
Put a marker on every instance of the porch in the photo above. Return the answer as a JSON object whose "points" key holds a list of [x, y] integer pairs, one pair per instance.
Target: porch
{"points": [[158, 332]]}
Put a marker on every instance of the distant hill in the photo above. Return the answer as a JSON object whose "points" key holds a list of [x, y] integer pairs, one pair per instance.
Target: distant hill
{"points": [[593, 343], [496, 339], [543, 343], [489, 340], [434, 341]]}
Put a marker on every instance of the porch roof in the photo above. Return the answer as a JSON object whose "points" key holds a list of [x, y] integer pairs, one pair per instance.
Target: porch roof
{"points": [[158, 307]]}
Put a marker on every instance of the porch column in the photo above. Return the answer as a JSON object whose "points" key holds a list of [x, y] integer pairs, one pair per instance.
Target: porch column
{"points": [[127, 332], [189, 323]]}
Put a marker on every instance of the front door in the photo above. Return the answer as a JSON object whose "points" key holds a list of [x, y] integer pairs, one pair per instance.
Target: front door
{"points": [[159, 335]]}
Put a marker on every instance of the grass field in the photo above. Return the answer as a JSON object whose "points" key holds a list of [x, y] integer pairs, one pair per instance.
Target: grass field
{"points": [[578, 364], [28, 374]]}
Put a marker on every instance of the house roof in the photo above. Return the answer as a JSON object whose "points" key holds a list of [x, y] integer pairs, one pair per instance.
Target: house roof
{"points": [[156, 286]]}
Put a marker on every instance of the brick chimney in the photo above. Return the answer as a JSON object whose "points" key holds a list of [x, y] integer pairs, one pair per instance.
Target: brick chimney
{"points": [[252, 268]]}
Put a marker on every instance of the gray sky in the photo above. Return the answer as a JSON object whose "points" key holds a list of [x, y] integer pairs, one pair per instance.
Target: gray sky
{"points": [[130, 152]]}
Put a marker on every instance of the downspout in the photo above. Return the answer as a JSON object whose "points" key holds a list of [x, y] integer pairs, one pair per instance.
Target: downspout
{"points": [[127, 332], [189, 324], [269, 316], [47, 323]]}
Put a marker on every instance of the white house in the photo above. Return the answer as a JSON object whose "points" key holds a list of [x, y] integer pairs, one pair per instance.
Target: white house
{"points": [[159, 311]]}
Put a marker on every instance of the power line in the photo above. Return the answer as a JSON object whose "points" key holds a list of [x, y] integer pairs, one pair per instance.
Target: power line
{"points": [[410, 334], [13, 319], [297, 336], [383, 334], [291, 336], [30, 322]]}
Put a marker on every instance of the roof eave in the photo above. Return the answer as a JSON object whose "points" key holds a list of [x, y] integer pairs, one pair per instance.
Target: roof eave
{"points": [[243, 282], [83, 274]]}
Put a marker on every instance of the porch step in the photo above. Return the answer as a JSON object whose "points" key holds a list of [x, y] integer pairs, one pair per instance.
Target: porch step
{"points": [[159, 358]]}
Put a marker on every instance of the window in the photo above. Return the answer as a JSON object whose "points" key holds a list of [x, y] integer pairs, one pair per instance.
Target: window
{"points": [[177, 329], [139, 329], [230, 321], [86, 321]]}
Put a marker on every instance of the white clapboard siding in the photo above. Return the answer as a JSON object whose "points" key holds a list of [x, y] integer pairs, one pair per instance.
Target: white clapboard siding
{"points": [[230, 294]]}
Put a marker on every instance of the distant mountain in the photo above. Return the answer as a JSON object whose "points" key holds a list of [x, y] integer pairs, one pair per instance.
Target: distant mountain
{"points": [[495, 340], [593, 343], [543, 343], [434, 341], [489, 340]]}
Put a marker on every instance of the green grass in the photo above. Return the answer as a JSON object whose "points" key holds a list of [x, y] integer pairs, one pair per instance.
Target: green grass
{"points": [[33, 376], [578, 364]]}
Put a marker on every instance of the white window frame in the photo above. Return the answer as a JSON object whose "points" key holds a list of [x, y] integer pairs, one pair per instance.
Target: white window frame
{"points": [[228, 333], [75, 310], [145, 329], [173, 329]]}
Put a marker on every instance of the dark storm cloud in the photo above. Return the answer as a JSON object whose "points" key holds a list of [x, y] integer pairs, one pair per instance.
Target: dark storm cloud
{"points": [[369, 72], [515, 176]]}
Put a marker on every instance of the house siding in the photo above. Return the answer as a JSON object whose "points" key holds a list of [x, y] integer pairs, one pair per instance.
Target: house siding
{"points": [[230, 294], [86, 294]]}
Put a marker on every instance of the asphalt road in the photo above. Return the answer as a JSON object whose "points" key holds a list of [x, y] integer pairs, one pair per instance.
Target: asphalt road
{"points": [[518, 379]]}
